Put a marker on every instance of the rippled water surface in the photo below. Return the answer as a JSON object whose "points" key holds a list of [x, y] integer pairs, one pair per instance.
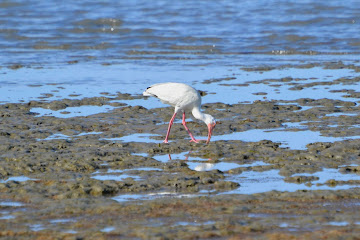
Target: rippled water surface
{"points": [[161, 32]]}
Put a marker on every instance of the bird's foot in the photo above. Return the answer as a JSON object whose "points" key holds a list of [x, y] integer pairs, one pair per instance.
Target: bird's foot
{"points": [[194, 140], [165, 141]]}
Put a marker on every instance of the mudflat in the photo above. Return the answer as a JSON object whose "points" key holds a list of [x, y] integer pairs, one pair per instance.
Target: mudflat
{"points": [[108, 174]]}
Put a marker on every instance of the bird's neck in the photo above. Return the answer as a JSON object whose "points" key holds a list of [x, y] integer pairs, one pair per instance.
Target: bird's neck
{"points": [[198, 114]]}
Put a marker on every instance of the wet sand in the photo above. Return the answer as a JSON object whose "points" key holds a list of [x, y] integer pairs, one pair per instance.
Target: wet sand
{"points": [[107, 175]]}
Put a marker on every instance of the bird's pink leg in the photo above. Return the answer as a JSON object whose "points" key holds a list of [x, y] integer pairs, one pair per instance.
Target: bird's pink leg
{"points": [[187, 129], [168, 131]]}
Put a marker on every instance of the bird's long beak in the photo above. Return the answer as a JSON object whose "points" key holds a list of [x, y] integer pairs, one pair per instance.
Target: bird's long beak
{"points": [[210, 129]]}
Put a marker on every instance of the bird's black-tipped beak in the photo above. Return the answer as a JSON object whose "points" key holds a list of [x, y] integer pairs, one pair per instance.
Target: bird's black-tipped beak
{"points": [[210, 130]]}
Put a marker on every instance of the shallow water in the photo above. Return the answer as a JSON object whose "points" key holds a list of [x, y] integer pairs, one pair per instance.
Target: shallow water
{"points": [[137, 137], [288, 139], [6, 217], [252, 182], [222, 166], [152, 31], [120, 175], [108, 229], [37, 227], [17, 179], [93, 80], [70, 112], [11, 204], [257, 182], [115, 177], [174, 157], [151, 196], [63, 136]]}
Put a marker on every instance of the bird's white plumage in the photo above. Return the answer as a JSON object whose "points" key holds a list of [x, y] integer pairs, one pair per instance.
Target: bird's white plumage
{"points": [[184, 98], [179, 95]]}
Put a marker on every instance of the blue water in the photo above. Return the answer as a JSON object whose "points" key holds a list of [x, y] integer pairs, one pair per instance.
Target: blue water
{"points": [[164, 32], [87, 47]]}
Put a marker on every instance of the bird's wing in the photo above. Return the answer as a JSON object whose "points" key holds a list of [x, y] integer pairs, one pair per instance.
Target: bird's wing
{"points": [[178, 95], [166, 92]]}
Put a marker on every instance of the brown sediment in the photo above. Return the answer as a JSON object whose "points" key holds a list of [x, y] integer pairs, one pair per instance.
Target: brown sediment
{"points": [[62, 199]]}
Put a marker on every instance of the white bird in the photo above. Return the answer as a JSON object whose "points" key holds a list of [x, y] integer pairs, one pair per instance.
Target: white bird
{"points": [[184, 98]]}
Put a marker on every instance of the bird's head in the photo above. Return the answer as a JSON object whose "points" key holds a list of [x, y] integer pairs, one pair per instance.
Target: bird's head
{"points": [[210, 122]]}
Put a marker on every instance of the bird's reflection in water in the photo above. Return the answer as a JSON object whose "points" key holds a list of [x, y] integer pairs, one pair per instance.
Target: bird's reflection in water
{"points": [[186, 156], [206, 166]]}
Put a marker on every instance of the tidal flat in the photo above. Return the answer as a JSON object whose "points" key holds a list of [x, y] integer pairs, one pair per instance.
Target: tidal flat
{"points": [[283, 162], [81, 153]]}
